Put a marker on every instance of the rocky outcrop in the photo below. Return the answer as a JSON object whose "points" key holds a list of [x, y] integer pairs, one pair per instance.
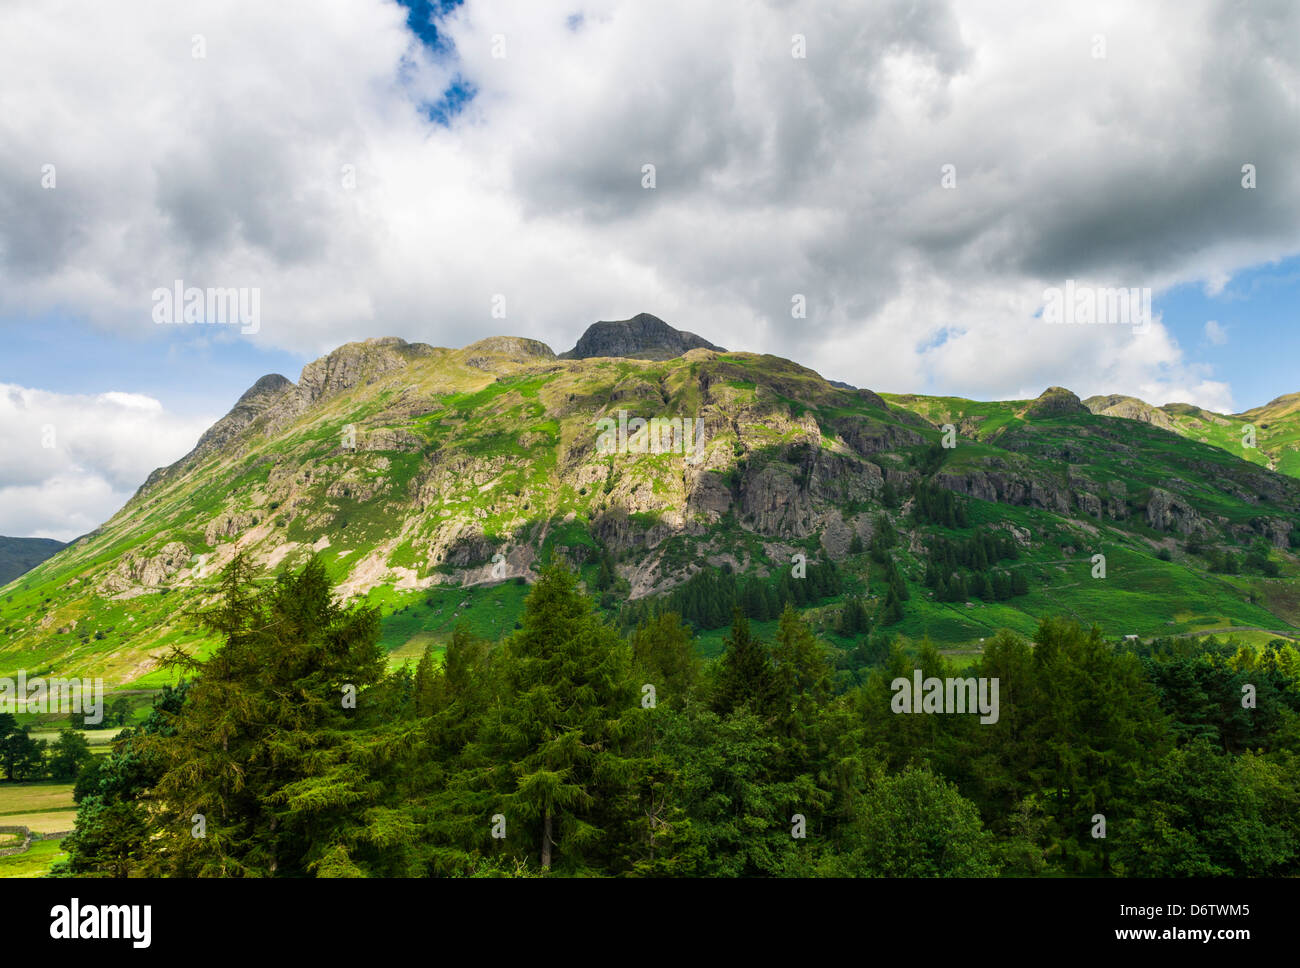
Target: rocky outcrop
{"points": [[1055, 402], [228, 526], [486, 354], [1166, 512], [256, 401], [149, 571], [773, 502], [1129, 408], [709, 493], [388, 439], [642, 337], [1008, 487], [620, 532], [1275, 530], [354, 364], [869, 437]]}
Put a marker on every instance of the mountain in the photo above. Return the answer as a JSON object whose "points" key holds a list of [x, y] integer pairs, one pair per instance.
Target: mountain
{"points": [[434, 482], [1130, 408], [1276, 425], [642, 337], [18, 555]]}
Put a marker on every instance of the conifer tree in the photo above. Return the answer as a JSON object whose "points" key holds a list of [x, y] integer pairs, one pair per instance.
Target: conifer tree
{"points": [[893, 608], [803, 668], [664, 656], [745, 674], [267, 746], [425, 684], [563, 734]]}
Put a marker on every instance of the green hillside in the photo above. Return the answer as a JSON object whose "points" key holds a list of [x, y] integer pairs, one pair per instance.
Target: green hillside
{"points": [[1267, 435], [435, 483]]}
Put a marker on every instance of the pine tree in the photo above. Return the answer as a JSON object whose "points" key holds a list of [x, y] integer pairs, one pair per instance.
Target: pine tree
{"points": [[893, 608], [571, 712], [1019, 582], [1001, 586], [267, 744], [425, 684], [664, 656], [800, 659], [745, 674]]}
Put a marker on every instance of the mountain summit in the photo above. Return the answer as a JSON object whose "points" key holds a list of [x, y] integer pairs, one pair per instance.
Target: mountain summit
{"points": [[643, 337]]}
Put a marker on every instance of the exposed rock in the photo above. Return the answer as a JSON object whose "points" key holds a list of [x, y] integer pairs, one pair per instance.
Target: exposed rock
{"points": [[1009, 488], [486, 354], [836, 536], [385, 438], [710, 493], [1129, 408], [773, 503], [869, 437], [1165, 512], [1276, 530], [150, 571], [1089, 503], [353, 364], [356, 486], [1055, 402], [229, 525], [643, 337], [256, 401]]}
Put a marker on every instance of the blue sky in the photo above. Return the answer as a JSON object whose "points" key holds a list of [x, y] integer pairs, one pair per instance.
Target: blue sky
{"points": [[1259, 314], [188, 370]]}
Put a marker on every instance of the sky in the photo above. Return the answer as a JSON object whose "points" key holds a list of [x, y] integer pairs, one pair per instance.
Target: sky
{"points": [[919, 175]]}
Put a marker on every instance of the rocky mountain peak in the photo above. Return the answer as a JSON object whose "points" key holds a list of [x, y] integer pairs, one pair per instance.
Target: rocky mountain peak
{"points": [[354, 363], [1055, 402], [516, 348], [642, 337], [254, 402], [1131, 408]]}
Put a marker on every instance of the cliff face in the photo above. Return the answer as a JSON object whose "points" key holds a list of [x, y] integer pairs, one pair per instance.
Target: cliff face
{"points": [[642, 337]]}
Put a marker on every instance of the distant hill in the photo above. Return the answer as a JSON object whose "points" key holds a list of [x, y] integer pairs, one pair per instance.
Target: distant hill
{"points": [[1276, 427], [19, 555], [1130, 408]]}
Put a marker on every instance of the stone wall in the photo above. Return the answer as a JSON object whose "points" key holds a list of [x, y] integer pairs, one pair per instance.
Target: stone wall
{"points": [[22, 832]]}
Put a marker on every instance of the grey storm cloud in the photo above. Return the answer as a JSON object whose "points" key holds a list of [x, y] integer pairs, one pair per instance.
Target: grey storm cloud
{"points": [[775, 175]]}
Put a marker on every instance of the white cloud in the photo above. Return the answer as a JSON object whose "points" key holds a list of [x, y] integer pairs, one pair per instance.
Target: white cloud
{"points": [[1215, 333], [68, 462]]}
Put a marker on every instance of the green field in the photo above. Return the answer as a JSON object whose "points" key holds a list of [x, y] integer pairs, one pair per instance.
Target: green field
{"points": [[27, 798], [35, 862], [43, 807]]}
